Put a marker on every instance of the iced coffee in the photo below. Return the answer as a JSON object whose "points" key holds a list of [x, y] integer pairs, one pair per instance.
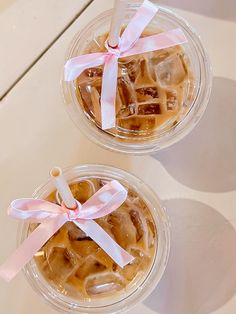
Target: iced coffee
{"points": [[154, 91], [77, 267]]}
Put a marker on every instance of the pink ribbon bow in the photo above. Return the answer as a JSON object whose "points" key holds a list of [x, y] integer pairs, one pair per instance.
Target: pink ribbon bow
{"points": [[52, 217], [129, 44]]}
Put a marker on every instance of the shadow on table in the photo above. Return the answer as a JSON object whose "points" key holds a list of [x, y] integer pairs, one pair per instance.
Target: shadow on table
{"points": [[200, 275], [225, 10], [206, 159]]}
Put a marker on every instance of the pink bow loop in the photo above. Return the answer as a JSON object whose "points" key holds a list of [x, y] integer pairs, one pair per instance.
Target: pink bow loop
{"points": [[52, 217], [110, 196], [30, 208], [130, 44]]}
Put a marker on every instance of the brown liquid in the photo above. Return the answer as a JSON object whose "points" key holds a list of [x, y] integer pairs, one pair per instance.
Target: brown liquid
{"points": [[76, 266], [154, 90]]}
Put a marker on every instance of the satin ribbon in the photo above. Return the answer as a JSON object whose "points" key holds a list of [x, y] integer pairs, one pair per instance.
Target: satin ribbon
{"points": [[129, 44], [52, 217]]}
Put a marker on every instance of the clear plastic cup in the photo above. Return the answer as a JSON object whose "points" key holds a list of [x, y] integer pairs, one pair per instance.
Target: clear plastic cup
{"points": [[165, 136], [130, 296]]}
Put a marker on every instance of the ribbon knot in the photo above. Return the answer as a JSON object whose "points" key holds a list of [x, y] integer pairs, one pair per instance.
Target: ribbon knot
{"points": [[72, 214], [114, 51], [130, 44], [51, 217]]}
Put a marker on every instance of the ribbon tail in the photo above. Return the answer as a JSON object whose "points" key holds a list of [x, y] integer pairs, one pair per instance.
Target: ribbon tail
{"points": [[30, 247], [75, 66], [159, 41], [108, 94], [95, 232], [136, 26]]}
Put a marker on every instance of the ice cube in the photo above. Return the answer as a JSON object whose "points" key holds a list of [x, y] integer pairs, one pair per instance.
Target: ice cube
{"points": [[131, 270], [138, 123], [105, 225], [138, 202], [171, 100], [130, 66], [126, 91], [74, 232], [95, 98], [103, 258], [84, 248], [137, 266], [147, 93], [158, 56], [60, 264], [59, 240], [93, 72], [171, 71], [148, 109], [104, 283], [122, 228], [144, 77], [127, 111], [85, 95], [96, 45], [89, 267], [139, 223], [152, 234], [89, 95], [82, 190]]}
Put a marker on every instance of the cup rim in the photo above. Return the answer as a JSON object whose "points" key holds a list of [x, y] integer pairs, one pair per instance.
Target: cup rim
{"points": [[153, 276]]}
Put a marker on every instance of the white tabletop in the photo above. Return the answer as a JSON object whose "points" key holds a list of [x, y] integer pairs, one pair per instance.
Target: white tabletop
{"points": [[27, 29], [196, 178]]}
